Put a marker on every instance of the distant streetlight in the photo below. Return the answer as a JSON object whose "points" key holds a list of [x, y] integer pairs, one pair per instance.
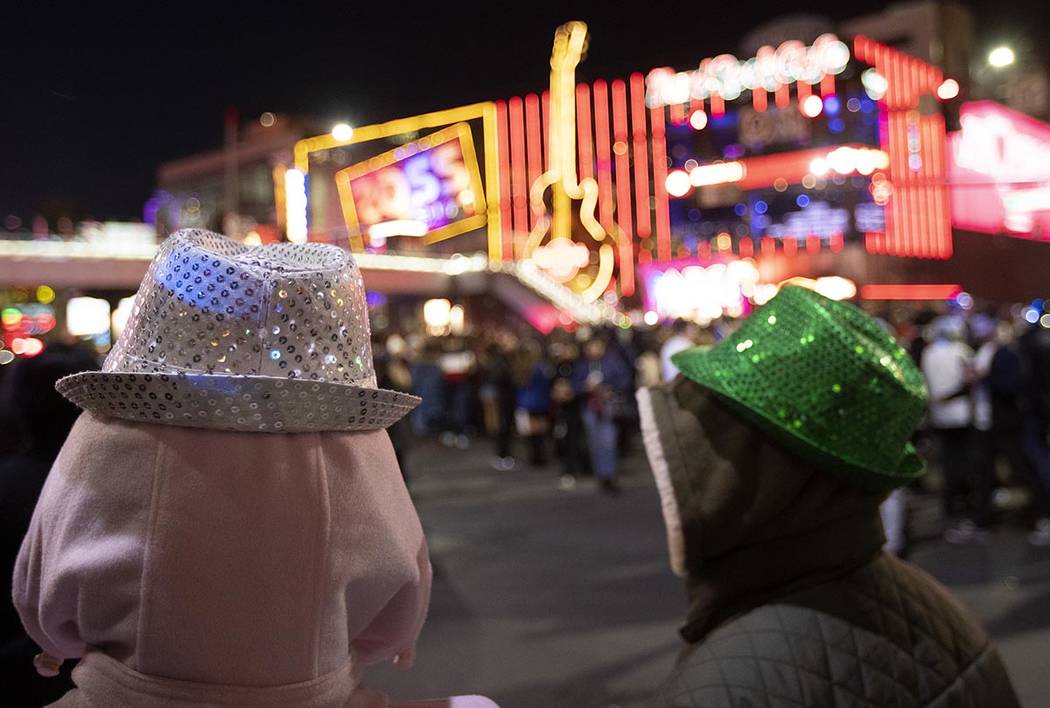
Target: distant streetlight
{"points": [[948, 90], [1001, 57], [342, 132]]}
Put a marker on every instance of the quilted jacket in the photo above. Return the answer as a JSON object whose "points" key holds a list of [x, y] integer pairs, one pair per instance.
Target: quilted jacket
{"points": [[884, 636], [792, 601]]}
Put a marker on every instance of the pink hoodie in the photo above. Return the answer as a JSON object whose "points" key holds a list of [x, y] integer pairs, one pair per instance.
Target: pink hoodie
{"points": [[192, 567]]}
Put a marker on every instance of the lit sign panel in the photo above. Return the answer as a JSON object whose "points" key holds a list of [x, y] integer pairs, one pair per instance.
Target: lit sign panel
{"points": [[728, 77], [1000, 171], [687, 290], [430, 188]]}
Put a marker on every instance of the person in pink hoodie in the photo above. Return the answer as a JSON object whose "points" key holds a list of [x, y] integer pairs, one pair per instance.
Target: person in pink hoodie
{"points": [[226, 524]]}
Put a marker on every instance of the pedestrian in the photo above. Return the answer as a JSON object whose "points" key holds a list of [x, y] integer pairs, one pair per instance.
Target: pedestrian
{"points": [[1034, 350], [682, 337], [998, 427], [602, 380], [570, 437], [394, 373], [771, 455], [457, 369], [428, 383], [226, 523], [533, 415], [41, 419], [498, 382], [648, 370], [947, 365]]}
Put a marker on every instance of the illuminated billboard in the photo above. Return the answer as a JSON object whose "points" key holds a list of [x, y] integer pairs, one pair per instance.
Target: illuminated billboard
{"points": [[1000, 171], [429, 189]]}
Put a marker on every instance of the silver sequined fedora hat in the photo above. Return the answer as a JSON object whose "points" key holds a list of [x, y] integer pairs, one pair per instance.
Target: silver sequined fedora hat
{"points": [[269, 339]]}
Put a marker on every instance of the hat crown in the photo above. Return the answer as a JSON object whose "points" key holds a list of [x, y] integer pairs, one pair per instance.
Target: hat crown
{"points": [[211, 305], [824, 373]]}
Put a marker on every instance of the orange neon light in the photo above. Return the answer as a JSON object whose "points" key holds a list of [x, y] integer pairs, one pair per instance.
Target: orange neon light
{"points": [[663, 213], [533, 150], [641, 157], [504, 179], [760, 100], [583, 131], [623, 173], [909, 291], [518, 185], [604, 163], [545, 103], [782, 96]]}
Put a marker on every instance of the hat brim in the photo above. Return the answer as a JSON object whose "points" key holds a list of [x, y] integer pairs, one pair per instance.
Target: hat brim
{"points": [[264, 404], [910, 466]]}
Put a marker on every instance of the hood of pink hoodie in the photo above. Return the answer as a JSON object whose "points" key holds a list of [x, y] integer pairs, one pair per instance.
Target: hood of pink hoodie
{"points": [[231, 563]]}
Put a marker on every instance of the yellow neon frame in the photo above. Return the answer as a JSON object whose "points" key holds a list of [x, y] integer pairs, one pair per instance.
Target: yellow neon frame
{"points": [[460, 132], [486, 111]]}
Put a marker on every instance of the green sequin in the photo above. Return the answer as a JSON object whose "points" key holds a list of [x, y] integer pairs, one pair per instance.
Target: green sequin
{"points": [[824, 377]]}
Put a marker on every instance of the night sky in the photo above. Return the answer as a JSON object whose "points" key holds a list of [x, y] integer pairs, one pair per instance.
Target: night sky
{"points": [[93, 100]]}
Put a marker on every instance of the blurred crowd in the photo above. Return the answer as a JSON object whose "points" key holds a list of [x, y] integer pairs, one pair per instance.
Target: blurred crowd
{"points": [[988, 375], [563, 398], [565, 401]]}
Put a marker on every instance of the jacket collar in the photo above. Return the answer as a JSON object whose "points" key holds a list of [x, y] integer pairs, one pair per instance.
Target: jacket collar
{"points": [[754, 522]]}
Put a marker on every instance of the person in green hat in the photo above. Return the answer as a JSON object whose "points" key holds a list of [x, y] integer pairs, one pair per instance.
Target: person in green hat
{"points": [[771, 453]]}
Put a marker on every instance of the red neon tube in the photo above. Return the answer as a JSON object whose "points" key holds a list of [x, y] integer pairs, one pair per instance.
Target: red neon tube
{"points": [[533, 142], [604, 162], [643, 219], [519, 189], [504, 181], [718, 104], [912, 291], [804, 91], [663, 214], [623, 174], [545, 106], [782, 96], [827, 85], [759, 99], [583, 131]]}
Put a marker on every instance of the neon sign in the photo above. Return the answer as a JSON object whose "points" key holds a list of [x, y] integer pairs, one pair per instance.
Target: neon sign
{"points": [[791, 167], [688, 290], [1000, 171], [728, 77], [430, 188]]}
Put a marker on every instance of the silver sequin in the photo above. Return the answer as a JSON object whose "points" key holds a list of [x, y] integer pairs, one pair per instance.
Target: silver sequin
{"points": [[217, 318]]}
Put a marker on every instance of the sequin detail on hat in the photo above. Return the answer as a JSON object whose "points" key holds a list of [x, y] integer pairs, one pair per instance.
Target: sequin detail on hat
{"points": [[827, 375], [271, 338]]}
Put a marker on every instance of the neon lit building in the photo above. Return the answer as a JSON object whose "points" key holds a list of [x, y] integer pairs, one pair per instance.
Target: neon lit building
{"points": [[797, 150], [818, 159]]}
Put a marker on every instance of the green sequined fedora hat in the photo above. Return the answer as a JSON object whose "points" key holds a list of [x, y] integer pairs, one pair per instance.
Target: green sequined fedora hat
{"points": [[826, 381]]}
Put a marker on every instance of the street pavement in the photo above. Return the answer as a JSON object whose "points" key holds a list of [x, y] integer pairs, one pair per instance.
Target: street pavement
{"points": [[562, 598]]}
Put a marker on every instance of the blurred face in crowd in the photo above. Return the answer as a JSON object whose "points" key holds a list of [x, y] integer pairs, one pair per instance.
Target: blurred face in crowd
{"points": [[594, 349], [1005, 333]]}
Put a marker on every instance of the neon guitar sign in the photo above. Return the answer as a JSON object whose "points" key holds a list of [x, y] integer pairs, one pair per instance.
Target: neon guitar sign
{"points": [[561, 187]]}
